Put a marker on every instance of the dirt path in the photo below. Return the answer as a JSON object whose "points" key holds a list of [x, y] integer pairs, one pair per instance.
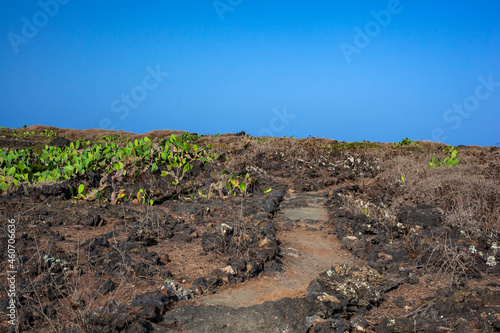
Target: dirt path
{"points": [[308, 248]]}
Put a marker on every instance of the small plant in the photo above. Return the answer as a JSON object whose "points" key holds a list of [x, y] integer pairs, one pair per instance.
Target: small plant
{"points": [[262, 139], [117, 197], [48, 132], [90, 196], [365, 212], [23, 134], [434, 163], [267, 191], [141, 197], [448, 161], [233, 185], [80, 194], [111, 138], [452, 159], [404, 142]]}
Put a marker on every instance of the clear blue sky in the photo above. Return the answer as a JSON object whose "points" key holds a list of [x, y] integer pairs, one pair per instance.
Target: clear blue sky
{"points": [[321, 68]]}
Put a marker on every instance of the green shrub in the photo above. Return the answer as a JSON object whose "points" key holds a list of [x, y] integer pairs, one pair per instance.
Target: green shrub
{"points": [[48, 132], [404, 142], [448, 160], [233, 184], [59, 163]]}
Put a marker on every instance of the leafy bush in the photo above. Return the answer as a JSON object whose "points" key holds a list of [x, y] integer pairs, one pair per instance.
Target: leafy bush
{"points": [[59, 163], [404, 142], [188, 137], [178, 156], [233, 184], [262, 139], [48, 132], [23, 134], [448, 161]]}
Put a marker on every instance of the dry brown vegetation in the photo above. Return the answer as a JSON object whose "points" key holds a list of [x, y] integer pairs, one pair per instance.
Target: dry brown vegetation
{"points": [[468, 194], [184, 236]]}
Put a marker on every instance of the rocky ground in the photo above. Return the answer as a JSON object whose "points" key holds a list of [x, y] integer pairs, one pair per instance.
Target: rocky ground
{"points": [[332, 237]]}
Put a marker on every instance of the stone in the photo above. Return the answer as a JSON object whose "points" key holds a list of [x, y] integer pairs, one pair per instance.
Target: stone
{"points": [[106, 286], [359, 323], [348, 242]]}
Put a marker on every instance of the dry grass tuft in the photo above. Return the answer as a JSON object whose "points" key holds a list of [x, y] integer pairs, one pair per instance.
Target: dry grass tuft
{"points": [[468, 193]]}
